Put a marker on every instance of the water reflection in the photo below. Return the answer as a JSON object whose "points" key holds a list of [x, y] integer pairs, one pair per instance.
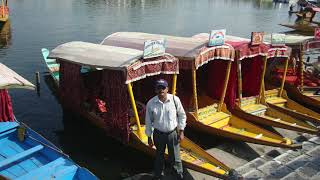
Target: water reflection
{"points": [[5, 35]]}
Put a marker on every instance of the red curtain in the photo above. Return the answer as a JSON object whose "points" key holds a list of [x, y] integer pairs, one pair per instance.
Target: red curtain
{"points": [[217, 75], [251, 74], [251, 69], [6, 113], [71, 86], [114, 92]]}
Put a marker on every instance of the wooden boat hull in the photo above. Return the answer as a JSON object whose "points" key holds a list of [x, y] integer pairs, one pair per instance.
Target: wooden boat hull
{"points": [[236, 128], [313, 102], [24, 154], [211, 166], [303, 28], [283, 121], [290, 107]]}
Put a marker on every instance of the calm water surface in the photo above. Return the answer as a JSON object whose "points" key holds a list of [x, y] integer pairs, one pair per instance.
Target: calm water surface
{"points": [[35, 24]]}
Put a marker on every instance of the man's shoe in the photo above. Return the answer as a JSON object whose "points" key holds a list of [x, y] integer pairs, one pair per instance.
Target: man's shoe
{"points": [[179, 176]]}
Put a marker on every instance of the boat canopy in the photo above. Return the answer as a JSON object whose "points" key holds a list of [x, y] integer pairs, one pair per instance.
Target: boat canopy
{"points": [[295, 41], [247, 51], [115, 58], [191, 52], [10, 79]]}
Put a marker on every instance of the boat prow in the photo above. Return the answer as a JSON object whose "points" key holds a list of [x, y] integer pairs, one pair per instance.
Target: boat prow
{"points": [[52, 65]]}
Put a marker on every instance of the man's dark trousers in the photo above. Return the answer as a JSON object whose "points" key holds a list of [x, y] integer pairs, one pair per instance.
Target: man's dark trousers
{"points": [[161, 140]]}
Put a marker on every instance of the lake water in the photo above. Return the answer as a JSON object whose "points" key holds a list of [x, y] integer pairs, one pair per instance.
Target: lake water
{"points": [[35, 24]]}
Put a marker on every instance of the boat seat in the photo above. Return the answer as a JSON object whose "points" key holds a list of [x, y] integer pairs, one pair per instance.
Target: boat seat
{"points": [[254, 108], [276, 100], [214, 117], [20, 156], [271, 118]]}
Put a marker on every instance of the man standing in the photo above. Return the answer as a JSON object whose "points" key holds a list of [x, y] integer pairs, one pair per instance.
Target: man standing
{"points": [[166, 120]]}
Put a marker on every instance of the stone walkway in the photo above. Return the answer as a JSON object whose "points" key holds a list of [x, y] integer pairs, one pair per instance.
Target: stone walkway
{"points": [[275, 163], [303, 164]]}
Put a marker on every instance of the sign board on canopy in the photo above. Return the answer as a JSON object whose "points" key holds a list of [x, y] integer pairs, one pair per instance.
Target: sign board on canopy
{"points": [[154, 48], [256, 38], [317, 33], [278, 39], [216, 37]]}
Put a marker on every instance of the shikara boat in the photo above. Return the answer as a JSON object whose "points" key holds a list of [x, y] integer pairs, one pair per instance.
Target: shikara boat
{"points": [[4, 11], [305, 22], [52, 65], [114, 74], [299, 86], [249, 68], [25, 154], [205, 114]]}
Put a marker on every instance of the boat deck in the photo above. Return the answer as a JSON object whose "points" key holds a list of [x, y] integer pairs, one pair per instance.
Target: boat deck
{"points": [[34, 158]]}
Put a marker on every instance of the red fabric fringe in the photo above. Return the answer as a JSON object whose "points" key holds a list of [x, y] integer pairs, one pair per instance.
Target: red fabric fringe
{"points": [[6, 113]]}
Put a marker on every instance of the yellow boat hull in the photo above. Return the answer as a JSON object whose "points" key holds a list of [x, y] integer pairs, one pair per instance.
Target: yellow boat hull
{"points": [[263, 114], [227, 125], [290, 107], [306, 98]]}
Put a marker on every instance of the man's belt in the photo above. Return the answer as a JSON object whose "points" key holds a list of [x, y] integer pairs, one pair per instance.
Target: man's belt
{"points": [[166, 133]]}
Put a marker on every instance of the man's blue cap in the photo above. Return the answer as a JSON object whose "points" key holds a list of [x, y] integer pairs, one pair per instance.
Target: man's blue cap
{"points": [[161, 82]]}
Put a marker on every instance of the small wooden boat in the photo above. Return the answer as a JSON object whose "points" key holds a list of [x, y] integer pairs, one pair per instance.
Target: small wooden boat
{"points": [[4, 11], [206, 114], [24, 154], [52, 65], [304, 22], [116, 72], [252, 107]]}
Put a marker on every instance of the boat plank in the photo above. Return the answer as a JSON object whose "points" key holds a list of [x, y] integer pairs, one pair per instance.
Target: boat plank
{"points": [[5, 126], [28, 164], [21, 155], [8, 174], [66, 173], [44, 171], [2, 135]]}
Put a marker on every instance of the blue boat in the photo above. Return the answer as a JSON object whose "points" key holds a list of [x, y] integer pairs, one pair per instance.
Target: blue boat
{"points": [[25, 154]]}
